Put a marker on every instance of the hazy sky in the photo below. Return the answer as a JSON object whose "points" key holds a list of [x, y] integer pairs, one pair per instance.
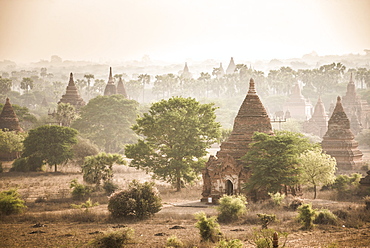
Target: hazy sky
{"points": [[177, 30]]}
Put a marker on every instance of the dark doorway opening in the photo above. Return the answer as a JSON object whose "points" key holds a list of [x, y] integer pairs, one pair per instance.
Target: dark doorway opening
{"points": [[229, 188]]}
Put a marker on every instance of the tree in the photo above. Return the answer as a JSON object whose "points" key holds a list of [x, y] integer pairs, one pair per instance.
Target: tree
{"points": [[88, 78], [274, 161], [11, 142], [5, 85], [144, 79], [66, 114], [98, 168], [52, 144], [317, 168], [106, 121], [27, 84], [176, 134]]}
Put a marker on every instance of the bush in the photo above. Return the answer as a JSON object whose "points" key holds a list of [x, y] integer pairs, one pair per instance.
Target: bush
{"points": [[234, 243], [231, 207], [140, 201], [83, 149], [79, 191], [345, 185], [295, 204], [113, 239], [265, 238], [209, 229], [26, 164], [109, 187], [266, 219], [306, 216], [10, 202], [174, 242], [325, 216], [86, 205], [277, 198]]}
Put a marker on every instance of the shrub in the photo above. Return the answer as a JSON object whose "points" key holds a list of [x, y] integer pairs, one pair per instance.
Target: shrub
{"points": [[295, 204], [26, 164], [11, 202], [140, 201], [265, 238], [174, 242], [87, 205], [346, 185], [209, 229], [266, 219], [234, 243], [277, 198], [79, 191], [83, 149], [325, 216], [113, 239], [231, 207], [306, 216], [109, 187]]}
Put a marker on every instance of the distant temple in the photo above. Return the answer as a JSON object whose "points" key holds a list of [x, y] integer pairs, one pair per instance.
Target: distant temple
{"points": [[121, 88], [298, 106], [339, 140], [225, 173], [318, 124], [186, 73], [356, 109], [110, 88], [231, 68], [72, 96], [8, 119]]}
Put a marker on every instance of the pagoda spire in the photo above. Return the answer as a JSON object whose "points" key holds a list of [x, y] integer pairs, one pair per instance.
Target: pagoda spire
{"points": [[72, 96], [110, 88], [231, 68], [8, 118]]}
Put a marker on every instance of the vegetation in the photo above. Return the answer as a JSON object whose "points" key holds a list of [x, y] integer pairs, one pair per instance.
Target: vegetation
{"points": [[266, 219], [306, 215], [325, 216], [209, 229], [113, 239], [277, 198], [231, 207], [26, 164], [264, 238], [174, 242], [176, 134], [85, 205], [11, 143], [79, 191], [234, 243], [11, 202], [82, 149], [140, 200], [51, 144]]}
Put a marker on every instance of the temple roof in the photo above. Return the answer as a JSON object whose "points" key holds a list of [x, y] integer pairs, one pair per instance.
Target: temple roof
{"points": [[110, 88], [121, 88], [319, 110], [339, 125], [8, 118], [186, 73], [72, 96], [231, 68]]}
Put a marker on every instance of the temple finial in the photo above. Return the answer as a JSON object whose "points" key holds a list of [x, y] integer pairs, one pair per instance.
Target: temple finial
{"points": [[110, 73], [252, 88]]}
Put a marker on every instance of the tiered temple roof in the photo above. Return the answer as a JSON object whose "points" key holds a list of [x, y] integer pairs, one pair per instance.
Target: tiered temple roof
{"points": [[110, 89], [121, 88], [298, 106], [318, 124], [231, 67], [72, 96], [8, 119], [339, 140]]}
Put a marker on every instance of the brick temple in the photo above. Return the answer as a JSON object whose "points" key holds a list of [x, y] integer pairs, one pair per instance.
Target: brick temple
{"points": [[298, 106], [110, 88], [339, 140], [72, 96], [8, 119], [318, 124], [225, 172]]}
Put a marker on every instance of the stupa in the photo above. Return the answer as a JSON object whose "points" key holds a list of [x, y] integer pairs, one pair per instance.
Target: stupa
{"points": [[186, 73], [318, 124], [121, 88], [110, 88], [8, 119], [225, 172], [231, 67], [298, 106], [72, 96], [339, 140]]}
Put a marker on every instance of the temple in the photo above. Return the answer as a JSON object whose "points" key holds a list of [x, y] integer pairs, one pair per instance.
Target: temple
{"points": [[298, 106], [121, 88], [72, 96], [225, 173], [231, 68], [110, 88], [356, 109], [339, 140], [318, 124], [8, 119], [186, 73]]}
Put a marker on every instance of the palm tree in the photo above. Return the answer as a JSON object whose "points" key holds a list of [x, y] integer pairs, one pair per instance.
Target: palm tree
{"points": [[88, 78]]}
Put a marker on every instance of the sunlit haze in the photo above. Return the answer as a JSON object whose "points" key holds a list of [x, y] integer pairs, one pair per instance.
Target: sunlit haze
{"points": [[180, 30]]}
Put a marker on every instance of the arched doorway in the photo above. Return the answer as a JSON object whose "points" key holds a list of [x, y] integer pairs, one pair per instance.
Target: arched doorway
{"points": [[229, 188]]}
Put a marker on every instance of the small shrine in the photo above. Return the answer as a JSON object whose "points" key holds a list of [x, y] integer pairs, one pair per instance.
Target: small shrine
{"points": [[110, 88], [298, 106], [8, 119], [121, 88], [318, 124], [339, 140], [231, 67], [72, 96], [225, 172]]}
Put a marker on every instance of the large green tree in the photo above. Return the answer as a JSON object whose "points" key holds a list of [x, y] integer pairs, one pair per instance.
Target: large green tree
{"points": [[317, 168], [106, 121], [176, 133], [274, 161], [53, 144], [11, 142]]}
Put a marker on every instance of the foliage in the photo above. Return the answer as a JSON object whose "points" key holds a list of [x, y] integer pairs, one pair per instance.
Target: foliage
{"points": [[277, 198], [52, 144], [5, 85], [11, 142], [11, 202], [266, 219], [106, 121], [234, 243], [109, 187], [79, 191], [176, 134], [31, 163], [98, 168], [317, 168], [325, 216], [82, 149], [174, 242], [273, 161], [66, 114], [264, 238], [367, 202], [1, 167], [209, 229], [363, 138], [26, 119], [87, 205], [231, 207], [345, 185], [113, 239], [306, 215], [140, 200]]}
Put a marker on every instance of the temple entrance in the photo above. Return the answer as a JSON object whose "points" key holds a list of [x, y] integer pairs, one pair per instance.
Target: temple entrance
{"points": [[229, 188]]}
